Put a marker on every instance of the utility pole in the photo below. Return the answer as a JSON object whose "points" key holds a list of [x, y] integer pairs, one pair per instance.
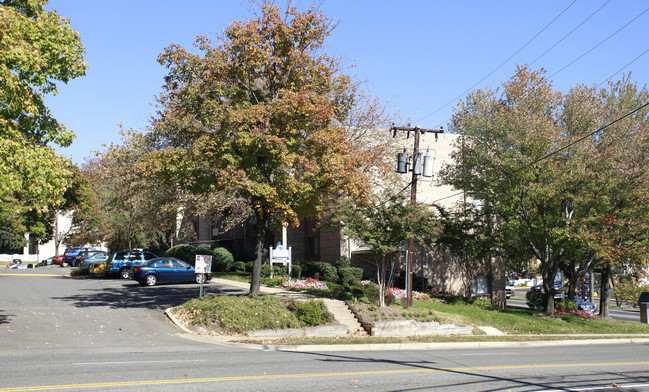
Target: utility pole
{"points": [[416, 167]]}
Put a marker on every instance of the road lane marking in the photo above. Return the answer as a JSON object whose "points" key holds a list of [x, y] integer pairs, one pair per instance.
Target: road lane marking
{"points": [[5, 274], [306, 375]]}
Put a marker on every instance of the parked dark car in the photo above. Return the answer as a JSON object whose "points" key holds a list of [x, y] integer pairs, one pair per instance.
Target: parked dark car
{"points": [[70, 254], [167, 269], [84, 254], [120, 263], [99, 257]]}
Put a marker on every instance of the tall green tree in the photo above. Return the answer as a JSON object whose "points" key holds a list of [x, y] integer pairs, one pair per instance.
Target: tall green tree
{"points": [[385, 226], [618, 229], [37, 49], [504, 158], [259, 115], [137, 211], [564, 193]]}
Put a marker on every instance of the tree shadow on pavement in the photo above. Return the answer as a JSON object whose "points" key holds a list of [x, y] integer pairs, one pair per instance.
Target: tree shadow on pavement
{"points": [[132, 295], [488, 381]]}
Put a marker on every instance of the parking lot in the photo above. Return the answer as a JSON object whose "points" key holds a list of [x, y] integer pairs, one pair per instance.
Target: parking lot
{"points": [[42, 308]]}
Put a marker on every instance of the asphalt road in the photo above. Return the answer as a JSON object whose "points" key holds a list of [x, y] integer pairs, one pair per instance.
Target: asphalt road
{"points": [[67, 334]]}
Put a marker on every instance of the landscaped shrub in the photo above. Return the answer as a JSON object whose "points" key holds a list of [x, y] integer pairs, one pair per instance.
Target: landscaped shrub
{"points": [[349, 274], [535, 300], [249, 266], [278, 270], [311, 313], [184, 252], [389, 299], [482, 303], [296, 271], [239, 266], [222, 260], [319, 270], [356, 290], [565, 304], [274, 282], [371, 291], [80, 271], [343, 262]]}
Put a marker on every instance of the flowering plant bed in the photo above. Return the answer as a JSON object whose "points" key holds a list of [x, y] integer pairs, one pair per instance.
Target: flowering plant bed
{"points": [[308, 283], [580, 313]]}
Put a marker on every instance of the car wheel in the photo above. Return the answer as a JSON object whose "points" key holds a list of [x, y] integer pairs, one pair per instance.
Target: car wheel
{"points": [[125, 273], [199, 278], [150, 280]]}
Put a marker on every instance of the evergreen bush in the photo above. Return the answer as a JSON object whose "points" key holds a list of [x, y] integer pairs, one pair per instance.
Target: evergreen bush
{"points": [[239, 266], [319, 270], [278, 270], [535, 300], [296, 271], [311, 313], [343, 262], [222, 260], [184, 252], [348, 275]]}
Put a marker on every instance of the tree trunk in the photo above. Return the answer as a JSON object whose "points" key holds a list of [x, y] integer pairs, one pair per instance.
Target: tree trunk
{"points": [[603, 302], [381, 269], [548, 285], [261, 232]]}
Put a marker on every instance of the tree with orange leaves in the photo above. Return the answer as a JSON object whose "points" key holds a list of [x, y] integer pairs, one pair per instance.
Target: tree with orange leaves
{"points": [[259, 115]]}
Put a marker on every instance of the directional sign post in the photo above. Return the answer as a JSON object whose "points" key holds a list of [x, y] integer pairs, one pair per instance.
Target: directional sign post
{"points": [[203, 266]]}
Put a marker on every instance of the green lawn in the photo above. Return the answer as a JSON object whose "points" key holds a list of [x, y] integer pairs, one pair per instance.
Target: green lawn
{"points": [[526, 321]]}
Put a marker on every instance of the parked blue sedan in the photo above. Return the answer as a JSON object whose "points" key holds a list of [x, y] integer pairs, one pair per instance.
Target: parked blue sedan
{"points": [[167, 269]]}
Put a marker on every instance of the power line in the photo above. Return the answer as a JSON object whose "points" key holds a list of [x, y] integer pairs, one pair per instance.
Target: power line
{"points": [[600, 43], [498, 67], [564, 147], [621, 69], [566, 66], [571, 31]]}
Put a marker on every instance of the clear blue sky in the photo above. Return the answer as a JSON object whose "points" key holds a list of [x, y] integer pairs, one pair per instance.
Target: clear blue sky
{"points": [[418, 56]]}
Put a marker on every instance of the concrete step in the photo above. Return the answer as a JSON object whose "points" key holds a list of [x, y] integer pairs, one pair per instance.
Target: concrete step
{"points": [[343, 314]]}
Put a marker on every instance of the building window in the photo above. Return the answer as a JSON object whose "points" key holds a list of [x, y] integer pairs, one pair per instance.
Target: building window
{"points": [[313, 246]]}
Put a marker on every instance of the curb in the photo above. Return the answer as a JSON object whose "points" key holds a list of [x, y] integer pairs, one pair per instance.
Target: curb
{"points": [[433, 346]]}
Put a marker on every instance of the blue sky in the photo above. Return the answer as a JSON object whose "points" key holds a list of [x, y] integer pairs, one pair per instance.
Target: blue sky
{"points": [[418, 56]]}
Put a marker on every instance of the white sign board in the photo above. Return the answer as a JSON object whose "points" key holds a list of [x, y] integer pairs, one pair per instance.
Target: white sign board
{"points": [[203, 264], [280, 255]]}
